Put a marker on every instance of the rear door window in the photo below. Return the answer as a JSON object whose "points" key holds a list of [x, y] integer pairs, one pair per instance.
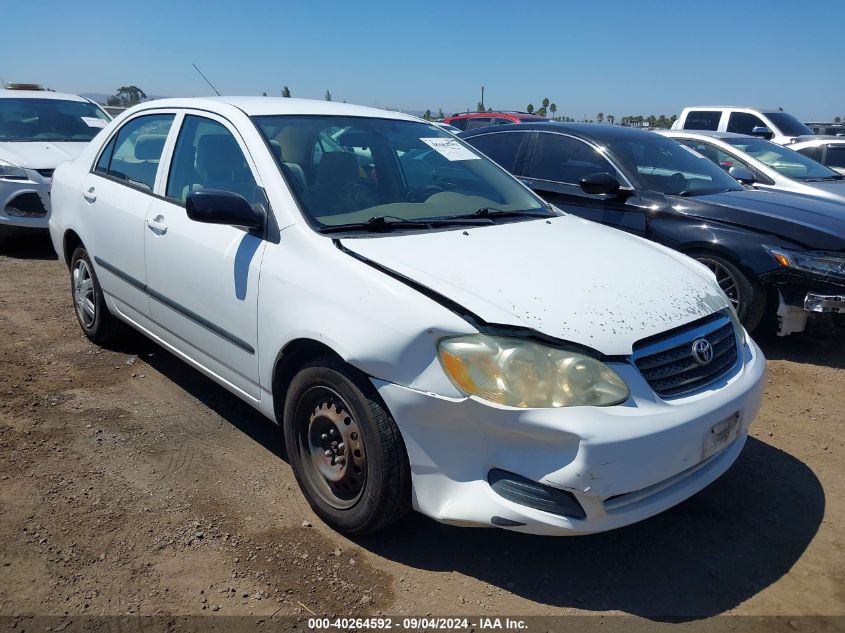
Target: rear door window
{"points": [[702, 120], [502, 147], [135, 151], [744, 123]]}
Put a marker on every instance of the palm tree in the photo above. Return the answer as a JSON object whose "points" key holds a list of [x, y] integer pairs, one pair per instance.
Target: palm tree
{"points": [[530, 109], [611, 119], [600, 117], [553, 109]]}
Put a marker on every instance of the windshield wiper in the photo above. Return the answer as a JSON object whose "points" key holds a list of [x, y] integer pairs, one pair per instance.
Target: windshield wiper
{"points": [[391, 222], [492, 212]]}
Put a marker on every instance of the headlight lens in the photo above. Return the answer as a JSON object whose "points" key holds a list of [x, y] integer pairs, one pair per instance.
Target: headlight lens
{"points": [[8, 170], [521, 373], [818, 262]]}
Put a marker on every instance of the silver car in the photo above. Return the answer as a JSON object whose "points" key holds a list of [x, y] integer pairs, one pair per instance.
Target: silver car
{"points": [[827, 150], [763, 164]]}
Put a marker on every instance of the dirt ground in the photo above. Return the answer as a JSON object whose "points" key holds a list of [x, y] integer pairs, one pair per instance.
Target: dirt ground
{"points": [[131, 484]]}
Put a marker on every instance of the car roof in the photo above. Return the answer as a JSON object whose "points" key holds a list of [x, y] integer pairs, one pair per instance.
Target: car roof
{"points": [[729, 107], [591, 131], [518, 115], [264, 106], [39, 94]]}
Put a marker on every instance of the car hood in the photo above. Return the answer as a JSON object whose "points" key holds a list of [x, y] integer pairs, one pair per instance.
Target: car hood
{"points": [[40, 154], [815, 222], [566, 277]]}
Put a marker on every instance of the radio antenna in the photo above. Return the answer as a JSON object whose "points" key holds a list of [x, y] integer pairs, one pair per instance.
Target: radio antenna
{"points": [[206, 80]]}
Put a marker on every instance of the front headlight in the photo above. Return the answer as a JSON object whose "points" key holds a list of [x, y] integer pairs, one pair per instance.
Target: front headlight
{"points": [[819, 262], [8, 170], [521, 373]]}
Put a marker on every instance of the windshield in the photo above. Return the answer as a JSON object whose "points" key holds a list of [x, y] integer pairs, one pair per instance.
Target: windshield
{"points": [[786, 161], [349, 170], [788, 124], [53, 120], [664, 165]]}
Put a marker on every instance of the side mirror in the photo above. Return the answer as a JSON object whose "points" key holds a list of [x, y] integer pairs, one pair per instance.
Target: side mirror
{"points": [[222, 207], [762, 131], [600, 183], [742, 174]]}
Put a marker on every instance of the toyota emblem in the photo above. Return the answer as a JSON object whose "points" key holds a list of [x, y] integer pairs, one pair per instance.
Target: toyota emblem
{"points": [[702, 351]]}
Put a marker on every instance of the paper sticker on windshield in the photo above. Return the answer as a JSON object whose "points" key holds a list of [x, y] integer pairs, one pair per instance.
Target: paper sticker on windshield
{"points": [[92, 121], [693, 152], [450, 149]]}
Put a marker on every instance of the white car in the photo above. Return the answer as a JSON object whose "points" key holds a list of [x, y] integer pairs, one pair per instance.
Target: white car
{"points": [[827, 150], [39, 130], [766, 164], [770, 123], [459, 346]]}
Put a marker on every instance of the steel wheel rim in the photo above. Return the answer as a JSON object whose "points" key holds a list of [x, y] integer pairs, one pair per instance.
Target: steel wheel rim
{"points": [[726, 280], [83, 294], [331, 448]]}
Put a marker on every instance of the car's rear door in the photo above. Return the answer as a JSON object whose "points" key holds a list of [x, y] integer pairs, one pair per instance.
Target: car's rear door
{"points": [[203, 278], [116, 195], [554, 169]]}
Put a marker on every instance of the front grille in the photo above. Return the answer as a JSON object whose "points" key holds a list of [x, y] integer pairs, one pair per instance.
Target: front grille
{"points": [[669, 365], [26, 205], [46, 173]]}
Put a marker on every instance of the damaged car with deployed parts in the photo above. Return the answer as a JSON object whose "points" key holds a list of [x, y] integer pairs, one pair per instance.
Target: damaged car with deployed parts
{"points": [[450, 343]]}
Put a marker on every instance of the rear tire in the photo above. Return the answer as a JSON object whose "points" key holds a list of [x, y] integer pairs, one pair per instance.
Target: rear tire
{"points": [[747, 295], [89, 304], [345, 449]]}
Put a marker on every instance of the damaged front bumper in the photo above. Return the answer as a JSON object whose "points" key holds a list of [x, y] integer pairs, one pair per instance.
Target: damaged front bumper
{"points": [[573, 470]]}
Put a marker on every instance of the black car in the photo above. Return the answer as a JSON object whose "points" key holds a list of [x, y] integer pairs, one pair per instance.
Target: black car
{"points": [[772, 253]]}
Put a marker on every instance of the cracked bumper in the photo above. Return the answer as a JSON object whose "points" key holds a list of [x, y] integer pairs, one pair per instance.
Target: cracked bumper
{"points": [[623, 464]]}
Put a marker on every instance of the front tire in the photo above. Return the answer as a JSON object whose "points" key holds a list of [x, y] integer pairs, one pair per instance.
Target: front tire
{"points": [[89, 304], [747, 295], [345, 449]]}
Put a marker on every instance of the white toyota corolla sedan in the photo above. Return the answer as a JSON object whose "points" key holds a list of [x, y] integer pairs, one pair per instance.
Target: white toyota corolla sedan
{"points": [[427, 331]]}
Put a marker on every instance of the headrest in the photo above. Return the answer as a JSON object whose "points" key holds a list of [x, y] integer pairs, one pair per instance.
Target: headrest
{"points": [[218, 152], [337, 168], [276, 148], [149, 146]]}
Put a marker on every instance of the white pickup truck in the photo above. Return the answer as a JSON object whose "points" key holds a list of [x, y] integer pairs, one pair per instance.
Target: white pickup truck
{"points": [[777, 126]]}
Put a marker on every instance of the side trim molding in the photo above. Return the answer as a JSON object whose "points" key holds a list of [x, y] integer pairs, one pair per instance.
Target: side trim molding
{"points": [[173, 305]]}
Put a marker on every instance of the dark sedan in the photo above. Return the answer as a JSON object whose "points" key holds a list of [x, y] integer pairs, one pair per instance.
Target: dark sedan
{"points": [[773, 253]]}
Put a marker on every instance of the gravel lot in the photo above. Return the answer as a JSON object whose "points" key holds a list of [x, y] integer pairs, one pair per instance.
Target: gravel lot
{"points": [[129, 483]]}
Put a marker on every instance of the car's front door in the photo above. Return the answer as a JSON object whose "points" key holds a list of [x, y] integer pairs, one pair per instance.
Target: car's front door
{"points": [[203, 278], [117, 193], [554, 170]]}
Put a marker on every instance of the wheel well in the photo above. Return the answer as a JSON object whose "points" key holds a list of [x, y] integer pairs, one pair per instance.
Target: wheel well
{"points": [[293, 357], [71, 242]]}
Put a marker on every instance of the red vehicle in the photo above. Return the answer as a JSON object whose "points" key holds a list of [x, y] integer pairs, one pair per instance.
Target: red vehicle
{"points": [[472, 120]]}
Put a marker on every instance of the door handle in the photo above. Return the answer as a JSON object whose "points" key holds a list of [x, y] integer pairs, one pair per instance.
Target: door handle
{"points": [[156, 225], [89, 195]]}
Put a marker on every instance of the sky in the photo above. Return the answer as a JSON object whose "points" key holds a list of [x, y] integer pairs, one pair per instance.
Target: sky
{"points": [[615, 56]]}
